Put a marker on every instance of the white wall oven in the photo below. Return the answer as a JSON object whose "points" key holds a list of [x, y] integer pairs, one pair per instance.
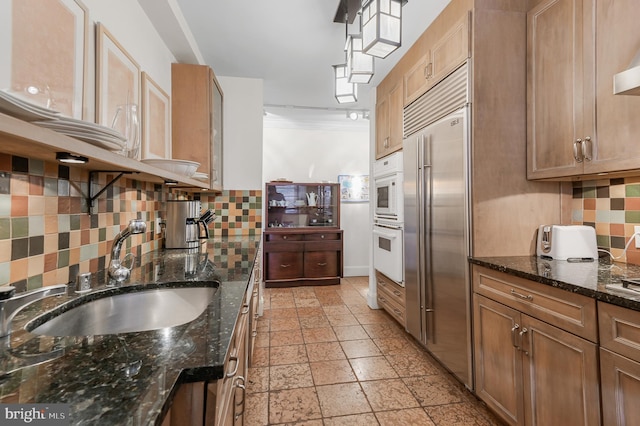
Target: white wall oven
{"points": [[388, 227]]}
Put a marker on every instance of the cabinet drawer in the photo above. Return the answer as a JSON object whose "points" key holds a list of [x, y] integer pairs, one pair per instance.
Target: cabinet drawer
{"points": [[572, 312], [390, 289], [323, 236], [284, 237], [322, 246], [284, 265], [319, 264], [395, 310], [619, 330]]}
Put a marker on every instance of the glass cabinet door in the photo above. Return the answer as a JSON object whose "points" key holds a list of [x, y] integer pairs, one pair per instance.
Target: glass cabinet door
{"points": [[299, 205]]}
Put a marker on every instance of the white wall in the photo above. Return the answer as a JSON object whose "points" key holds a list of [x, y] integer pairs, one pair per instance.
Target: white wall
{"points": [[303, 155], [242, 128]]}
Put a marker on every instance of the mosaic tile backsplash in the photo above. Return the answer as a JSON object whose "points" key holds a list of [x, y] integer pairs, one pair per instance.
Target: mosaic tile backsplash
{"points": [[47, 235], [612, 207]]}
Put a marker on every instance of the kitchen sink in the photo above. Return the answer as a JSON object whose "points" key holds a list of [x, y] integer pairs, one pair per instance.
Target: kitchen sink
{"points": [[149, 309]]}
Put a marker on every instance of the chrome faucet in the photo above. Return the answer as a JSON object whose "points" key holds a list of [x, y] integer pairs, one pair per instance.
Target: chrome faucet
{"points": [[117, 271], [10, 304]]}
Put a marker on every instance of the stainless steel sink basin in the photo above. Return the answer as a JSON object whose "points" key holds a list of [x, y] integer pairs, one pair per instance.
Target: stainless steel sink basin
{"points": [[126, 313]]}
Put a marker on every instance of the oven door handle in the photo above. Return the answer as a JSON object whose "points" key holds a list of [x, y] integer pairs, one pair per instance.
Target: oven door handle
{"points": [[385, 234]]}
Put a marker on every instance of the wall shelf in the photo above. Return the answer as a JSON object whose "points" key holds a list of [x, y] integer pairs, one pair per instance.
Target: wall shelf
{"points": [[24, 139]]}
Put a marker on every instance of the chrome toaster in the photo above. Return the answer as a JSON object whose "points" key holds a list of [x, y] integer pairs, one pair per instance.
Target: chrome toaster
{"points": [[573, 243]]}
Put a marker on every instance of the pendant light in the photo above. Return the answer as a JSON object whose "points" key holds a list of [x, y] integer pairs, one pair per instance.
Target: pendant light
{"points": [[359, 64], [345, 92], [381, 26]]}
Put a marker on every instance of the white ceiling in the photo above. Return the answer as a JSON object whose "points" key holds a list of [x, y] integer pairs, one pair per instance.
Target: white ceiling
{"points": [[290, 45]]}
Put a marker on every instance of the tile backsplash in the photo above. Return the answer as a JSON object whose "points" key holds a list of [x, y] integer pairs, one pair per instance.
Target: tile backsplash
{"points": [[612, 207], [47, 235]]}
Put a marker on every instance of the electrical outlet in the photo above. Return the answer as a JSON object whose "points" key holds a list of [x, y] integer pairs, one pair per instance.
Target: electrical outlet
{"points": [[636, 229], [159, 225]]}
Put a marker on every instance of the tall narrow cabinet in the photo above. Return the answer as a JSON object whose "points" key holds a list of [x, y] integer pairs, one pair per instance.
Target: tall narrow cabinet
{"points": [[196, 108]]}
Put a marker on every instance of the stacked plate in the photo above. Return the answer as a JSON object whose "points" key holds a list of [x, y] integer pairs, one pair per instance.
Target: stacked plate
{"points": [[25, 110], [95, 134]]}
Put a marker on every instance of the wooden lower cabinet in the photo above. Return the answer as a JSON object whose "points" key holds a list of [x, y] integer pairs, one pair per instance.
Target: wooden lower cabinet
{"points": [[530, 371], [302, 257], [391, 297]]}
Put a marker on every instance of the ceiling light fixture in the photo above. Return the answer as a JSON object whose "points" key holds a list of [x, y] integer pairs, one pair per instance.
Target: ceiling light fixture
{"points": [[359, 64], [345, 92], [68, 158], [352, 115], [381, 26]]}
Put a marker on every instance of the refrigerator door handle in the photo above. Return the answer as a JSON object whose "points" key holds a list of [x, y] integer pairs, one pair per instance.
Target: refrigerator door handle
{"points": [[424, 190]]}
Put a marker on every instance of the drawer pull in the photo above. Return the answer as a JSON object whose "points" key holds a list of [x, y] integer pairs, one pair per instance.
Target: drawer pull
{"points": [[382, 283], [524, 330], [397, 293], [322, 264], [521, 296], [322, 236], [284, 237], [245, 309], [235, 370], [282, 265], [397, 312]]}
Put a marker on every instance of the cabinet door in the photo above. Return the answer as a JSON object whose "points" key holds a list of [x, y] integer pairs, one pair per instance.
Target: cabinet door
{"points": [[320, 264], [498, 362], [382, 126], [620, 389], [216, 133], [560, 372], [396, 109], [560, 109], [416, 79], [617, 41], [284, 265], [451, 50]]}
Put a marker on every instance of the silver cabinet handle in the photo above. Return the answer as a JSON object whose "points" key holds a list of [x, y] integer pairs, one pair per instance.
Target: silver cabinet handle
{"points": [[284, 237], [241, 386], [282, 265], [235, 370], [245, 309], [513, 336], [521, 296], [428, 70], [322, 264], [587, 154], [386, 142], [577, 151], [524, 330], [397, 293]]}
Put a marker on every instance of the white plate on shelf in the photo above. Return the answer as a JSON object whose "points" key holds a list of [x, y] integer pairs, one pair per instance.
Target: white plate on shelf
{"points": [[66, 123], [200, 176], [103, 141], [24, 110]]}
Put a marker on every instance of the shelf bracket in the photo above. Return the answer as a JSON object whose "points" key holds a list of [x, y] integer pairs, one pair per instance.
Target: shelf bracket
{"points": [[92, 198]]}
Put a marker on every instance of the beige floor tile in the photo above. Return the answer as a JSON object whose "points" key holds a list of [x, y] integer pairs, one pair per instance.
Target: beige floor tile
{"points": [[331, 301], [260, 357], [434, 390], [293, 405], [262, 340], [367, 419], [332, 372], [360, 309], [360, 348], [327, 351], [307, 303], [258, 379], [395, 346], [290, 376], [391, 394], [336, 310], [287, 337], [380, 331], [374, 317], [410, 365], [372, 368], [411, 417], [342, 399], [458, 415], [281, 313], [318, 335], [342, 320], [310, 312], [315, 321], [257, 409], [350, 332], [291, 354], [281, 324]]}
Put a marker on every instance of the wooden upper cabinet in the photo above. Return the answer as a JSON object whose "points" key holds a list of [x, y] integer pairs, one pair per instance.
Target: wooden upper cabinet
{"points": [[447, 52], [196, 106], [389, 109], [576, 126]]}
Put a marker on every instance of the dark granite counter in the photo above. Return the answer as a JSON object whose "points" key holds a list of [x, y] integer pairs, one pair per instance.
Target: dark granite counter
{"points": [[600, 280], [130, 378]]}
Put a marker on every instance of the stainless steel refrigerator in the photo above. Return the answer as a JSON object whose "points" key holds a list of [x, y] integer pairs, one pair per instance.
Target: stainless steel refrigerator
{"points": [[436, 235]]}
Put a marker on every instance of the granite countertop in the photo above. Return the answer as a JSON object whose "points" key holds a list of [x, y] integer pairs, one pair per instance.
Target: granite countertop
{"points": [[601, 280], [130, 378]]}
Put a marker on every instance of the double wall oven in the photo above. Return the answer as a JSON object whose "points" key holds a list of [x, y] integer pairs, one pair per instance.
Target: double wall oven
{"points": [[388, 229]]}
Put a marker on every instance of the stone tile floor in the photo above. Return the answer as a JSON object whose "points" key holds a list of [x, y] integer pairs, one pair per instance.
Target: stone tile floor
{"points": [[323, 357]]}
